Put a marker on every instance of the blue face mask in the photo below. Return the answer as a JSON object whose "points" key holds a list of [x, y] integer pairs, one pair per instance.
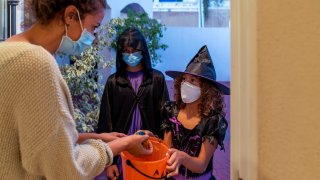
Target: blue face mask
{"points": [[70, 47], [132, 59]]}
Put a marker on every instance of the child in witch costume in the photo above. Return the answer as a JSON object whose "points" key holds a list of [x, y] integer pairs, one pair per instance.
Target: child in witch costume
{"points": [[194, 124], [133, 96]]}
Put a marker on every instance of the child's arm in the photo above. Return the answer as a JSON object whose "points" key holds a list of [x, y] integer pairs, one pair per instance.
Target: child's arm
{"points": [[106, 137], [194, 164], [168, 138]]}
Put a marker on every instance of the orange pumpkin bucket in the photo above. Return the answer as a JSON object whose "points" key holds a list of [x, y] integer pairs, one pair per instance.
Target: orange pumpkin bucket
{"points": [[152, 166]]}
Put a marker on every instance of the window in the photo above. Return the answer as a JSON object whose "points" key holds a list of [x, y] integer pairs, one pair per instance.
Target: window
{"points": [[3, 20], [192, 13]]}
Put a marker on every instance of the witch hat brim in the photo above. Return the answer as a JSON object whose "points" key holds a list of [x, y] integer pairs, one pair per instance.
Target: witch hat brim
{"points": [[201, 65], [224, 89]]}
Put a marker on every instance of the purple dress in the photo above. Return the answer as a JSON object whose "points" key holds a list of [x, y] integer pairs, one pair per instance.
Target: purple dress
{"points": [[135, 79], [211, 127], [136, 124]]}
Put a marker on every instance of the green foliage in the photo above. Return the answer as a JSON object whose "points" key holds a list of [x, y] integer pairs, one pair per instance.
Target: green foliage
{"points": [[150, 28], [82, 77]]}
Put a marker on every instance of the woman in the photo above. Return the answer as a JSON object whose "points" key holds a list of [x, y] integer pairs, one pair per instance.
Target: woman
{"points": [[134, 95], [37, 127], [194, 125]]}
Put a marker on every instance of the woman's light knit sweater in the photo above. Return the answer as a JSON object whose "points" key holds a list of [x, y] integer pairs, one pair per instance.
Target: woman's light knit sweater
{"points": [[37, 129]]}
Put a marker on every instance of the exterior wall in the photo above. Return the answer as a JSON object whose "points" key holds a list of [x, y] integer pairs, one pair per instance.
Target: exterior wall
{"points": [[179, 19], [288, 38], [217, 18], [184, 43]]}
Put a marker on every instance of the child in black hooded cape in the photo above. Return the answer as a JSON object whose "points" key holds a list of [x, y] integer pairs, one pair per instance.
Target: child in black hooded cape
{"points": [[134, 95]]}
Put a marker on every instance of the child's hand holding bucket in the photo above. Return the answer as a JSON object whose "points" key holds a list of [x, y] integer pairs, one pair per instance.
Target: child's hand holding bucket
{"points": [[135, 145], [176, 158]]}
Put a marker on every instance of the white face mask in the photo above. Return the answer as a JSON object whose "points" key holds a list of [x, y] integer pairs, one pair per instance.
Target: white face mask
{"points": [[189, 93]]}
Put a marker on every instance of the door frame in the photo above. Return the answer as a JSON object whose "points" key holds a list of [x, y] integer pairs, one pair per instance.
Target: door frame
{"points": [[244, 131]]}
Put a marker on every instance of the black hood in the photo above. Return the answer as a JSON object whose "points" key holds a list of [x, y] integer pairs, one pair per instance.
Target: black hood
{"points": [[132, 37]]}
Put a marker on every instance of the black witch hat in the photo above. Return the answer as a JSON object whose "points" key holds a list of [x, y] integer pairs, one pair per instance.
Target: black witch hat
{"points": [[201, 65]]}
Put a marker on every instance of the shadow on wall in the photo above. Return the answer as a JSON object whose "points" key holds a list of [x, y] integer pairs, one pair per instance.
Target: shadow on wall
{"points": [[221, 160]]}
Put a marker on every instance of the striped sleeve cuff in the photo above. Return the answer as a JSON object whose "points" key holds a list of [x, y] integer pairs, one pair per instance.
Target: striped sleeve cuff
{"points": [[109, 154]]}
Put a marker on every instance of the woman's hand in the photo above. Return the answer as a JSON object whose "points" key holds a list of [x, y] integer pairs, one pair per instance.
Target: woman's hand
{"points": [[107, 137], [176, 158], [135, 146]]}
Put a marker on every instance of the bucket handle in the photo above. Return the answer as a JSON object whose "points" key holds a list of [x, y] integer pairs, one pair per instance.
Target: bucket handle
{"points": [[129, 163]]}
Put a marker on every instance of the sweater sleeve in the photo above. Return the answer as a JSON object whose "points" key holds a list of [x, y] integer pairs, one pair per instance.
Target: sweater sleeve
{"points": [[46, 127]]}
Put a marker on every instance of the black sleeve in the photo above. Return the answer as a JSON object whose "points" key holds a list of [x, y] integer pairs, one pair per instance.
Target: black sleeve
{"points": [[215, 128], [163, 98], [167, 112], [105, 123], [165, 94]]}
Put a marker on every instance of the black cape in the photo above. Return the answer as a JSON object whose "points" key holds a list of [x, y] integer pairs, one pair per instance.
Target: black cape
{"points": [[119, 102]]}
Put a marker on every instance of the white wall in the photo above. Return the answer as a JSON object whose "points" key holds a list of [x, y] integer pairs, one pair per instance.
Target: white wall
{"points": [[117, 5], [184, 43]]}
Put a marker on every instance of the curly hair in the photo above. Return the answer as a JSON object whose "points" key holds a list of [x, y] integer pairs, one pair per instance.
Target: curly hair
{"points": [[45, 11], [211, 98]]}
